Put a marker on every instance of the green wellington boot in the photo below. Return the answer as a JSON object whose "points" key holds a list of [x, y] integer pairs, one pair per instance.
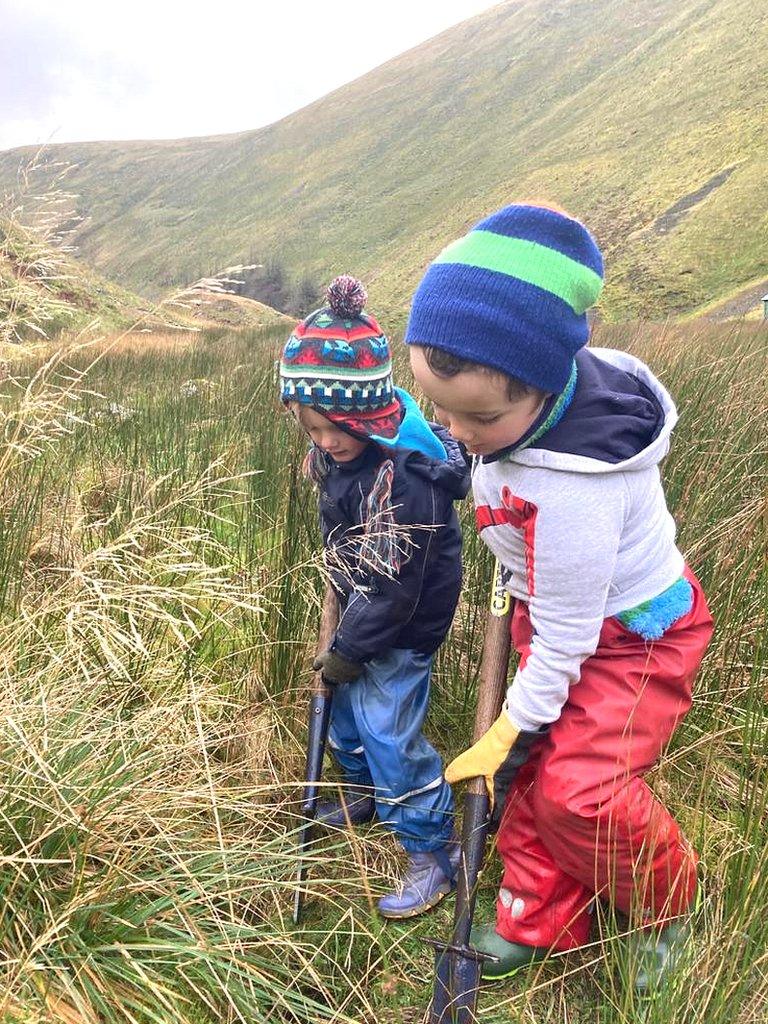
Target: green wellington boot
{"points": [[656, 952], [512, 956]]}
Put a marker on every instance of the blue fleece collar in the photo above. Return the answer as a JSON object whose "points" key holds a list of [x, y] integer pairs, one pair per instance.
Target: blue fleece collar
{"points": [[415, 433]]}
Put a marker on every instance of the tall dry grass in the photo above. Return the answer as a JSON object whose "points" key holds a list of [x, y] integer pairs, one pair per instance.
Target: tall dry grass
{"points": [[159, 594]]}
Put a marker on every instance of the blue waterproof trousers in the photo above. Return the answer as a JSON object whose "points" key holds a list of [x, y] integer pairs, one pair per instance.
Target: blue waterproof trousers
{"points": [[375, 735]]}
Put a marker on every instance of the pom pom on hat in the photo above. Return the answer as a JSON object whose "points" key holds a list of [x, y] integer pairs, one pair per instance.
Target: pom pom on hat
{"points": [[346, 296], [338, 362]]}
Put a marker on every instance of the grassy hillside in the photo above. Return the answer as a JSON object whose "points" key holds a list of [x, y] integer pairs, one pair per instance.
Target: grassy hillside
{"points": [[644, 119], [159, 594], [237, 311], [44, 290]]}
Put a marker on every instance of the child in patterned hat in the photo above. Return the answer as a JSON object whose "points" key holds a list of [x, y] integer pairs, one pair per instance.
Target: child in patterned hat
{"points": [[387, 481], [609, 622]]}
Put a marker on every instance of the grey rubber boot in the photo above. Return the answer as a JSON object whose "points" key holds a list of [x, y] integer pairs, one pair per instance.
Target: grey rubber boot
{"points": [[427, 879], [360, 807]]}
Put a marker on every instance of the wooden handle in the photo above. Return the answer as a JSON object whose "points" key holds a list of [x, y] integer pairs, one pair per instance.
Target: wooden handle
{"points": [[495, 664], [329, 620]]}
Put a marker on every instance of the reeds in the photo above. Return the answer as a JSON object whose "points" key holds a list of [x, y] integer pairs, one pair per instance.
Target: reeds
{"points": [[159, 594]]}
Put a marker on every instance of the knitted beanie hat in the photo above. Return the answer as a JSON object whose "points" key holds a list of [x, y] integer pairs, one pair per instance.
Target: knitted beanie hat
{"points": [[512, 295], [338, 362]]}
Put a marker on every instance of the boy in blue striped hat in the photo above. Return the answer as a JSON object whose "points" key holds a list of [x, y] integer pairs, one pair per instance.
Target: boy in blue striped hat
{"points": [[387, 481], [609, 622]]}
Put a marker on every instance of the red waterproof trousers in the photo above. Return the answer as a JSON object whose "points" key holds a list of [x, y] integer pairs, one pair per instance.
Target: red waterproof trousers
{"points": [[580, 820]]}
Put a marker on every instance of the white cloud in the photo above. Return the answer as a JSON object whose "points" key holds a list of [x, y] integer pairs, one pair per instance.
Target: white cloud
{"points": [[150, 69]]}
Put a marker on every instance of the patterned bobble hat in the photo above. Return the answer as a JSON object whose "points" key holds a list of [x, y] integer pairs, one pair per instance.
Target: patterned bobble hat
{"points": [[512, 295], [338, 362]]}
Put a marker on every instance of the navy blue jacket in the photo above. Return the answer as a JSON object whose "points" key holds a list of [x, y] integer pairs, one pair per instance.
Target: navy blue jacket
{"points": [[414, 608]]}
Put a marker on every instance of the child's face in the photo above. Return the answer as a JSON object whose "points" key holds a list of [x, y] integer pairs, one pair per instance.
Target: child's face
{"points": [[475, 406], [339, 445]]}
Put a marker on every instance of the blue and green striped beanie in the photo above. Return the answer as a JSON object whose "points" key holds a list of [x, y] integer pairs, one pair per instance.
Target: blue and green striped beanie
{"points": [[512, 294]]}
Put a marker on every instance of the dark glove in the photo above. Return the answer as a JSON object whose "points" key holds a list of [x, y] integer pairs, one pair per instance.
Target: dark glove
{"points": [[498, 756], [337, 669]]}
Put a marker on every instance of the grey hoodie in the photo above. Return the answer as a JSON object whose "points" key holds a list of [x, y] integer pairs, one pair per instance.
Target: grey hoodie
{"points": [[579, 523]]}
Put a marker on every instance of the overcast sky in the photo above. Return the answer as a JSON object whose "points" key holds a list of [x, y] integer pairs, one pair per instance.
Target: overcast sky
{"points": [[73, 70]]}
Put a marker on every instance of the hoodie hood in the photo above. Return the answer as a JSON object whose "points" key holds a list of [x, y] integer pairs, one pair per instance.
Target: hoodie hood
{"points": [[619, 419]]}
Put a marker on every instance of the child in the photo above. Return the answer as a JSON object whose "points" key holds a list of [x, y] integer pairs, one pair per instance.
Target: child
{"points": [[609, 622], [387, 482]]}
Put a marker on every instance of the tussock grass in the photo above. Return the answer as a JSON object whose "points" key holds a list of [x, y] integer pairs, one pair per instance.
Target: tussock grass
{"points": [[159, 596]]}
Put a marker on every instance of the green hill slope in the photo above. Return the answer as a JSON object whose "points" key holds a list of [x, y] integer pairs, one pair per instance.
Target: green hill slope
{"points": [[647, 120], [44, 290]]}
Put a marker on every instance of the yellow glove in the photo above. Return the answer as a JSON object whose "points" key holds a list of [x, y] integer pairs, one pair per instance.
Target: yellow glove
{"points": [[497, 756]]}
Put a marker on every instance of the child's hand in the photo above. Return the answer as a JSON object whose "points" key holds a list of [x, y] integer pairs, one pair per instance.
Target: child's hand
{"points": [[337, 669], [497, 756]]}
